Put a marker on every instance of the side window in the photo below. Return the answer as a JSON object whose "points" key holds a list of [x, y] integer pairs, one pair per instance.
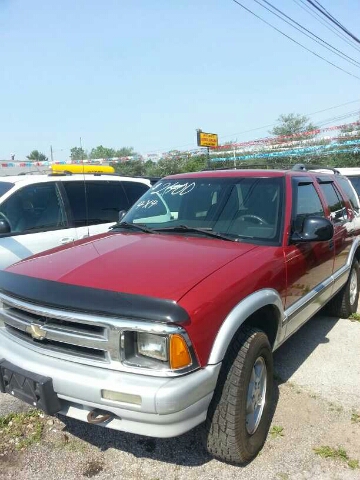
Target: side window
{"points": [[105, 200], [35, 207], [134, 190], [337, 208], [307, 204], [76, 195], [348, 189]]}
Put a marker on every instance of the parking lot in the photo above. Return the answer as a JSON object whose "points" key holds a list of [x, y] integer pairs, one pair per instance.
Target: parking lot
{"points": [[316, 403]]}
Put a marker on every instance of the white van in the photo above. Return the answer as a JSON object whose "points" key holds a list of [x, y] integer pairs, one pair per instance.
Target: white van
{"points": [[38, 212]]}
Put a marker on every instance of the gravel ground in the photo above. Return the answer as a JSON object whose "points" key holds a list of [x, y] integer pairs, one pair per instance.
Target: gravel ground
{"points": [[318, 390]]}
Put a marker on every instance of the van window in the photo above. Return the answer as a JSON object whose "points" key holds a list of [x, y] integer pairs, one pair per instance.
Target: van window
{"points": [[134, 190], [104, 201], [35, 207], [5, 187]]}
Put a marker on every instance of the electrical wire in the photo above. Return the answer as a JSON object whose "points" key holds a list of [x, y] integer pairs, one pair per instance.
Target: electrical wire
{"points": [[294, 41], [328, 15], [316, 39], [257, 128], [324, 22]]}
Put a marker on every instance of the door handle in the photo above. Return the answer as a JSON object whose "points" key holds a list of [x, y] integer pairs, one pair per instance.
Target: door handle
{"points": [[65, 240]]}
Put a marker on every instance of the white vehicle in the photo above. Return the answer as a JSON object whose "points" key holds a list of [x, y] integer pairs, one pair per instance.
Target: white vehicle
{"points": [[39, 212], [353, 175]]}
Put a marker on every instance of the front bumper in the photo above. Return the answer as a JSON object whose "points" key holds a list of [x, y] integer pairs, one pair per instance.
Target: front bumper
{"points": [[169, 406]]}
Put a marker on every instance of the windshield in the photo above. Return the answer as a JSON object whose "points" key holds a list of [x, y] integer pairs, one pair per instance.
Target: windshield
{"points": [[5, 187], [248, 208]]}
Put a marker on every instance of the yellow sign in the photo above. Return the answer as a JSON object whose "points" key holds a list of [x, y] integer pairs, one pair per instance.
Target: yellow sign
{"points": [[207, 139]]}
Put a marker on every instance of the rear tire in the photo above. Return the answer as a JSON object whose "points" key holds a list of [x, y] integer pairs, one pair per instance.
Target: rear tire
{"points": [[239, 415], [346, 300]]}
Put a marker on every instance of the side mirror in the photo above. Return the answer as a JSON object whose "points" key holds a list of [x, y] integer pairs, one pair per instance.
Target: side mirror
{"points": [[4, 226], [122, 214], [315, 229]]}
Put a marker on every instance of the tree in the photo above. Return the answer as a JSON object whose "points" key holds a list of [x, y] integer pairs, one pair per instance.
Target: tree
{"points": [[125, 152], [36, 156], [291, 124], [102, 152], [78, 153]]}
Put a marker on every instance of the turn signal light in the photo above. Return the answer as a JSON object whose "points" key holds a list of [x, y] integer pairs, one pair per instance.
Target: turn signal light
{"points": [[179, 353]]}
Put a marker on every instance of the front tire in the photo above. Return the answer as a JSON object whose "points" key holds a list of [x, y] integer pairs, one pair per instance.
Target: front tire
{"points": [[346, 300], [239, 415]]}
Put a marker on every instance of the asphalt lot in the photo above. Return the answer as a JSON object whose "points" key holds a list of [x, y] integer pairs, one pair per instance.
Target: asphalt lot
{"points": [[317, 394]]}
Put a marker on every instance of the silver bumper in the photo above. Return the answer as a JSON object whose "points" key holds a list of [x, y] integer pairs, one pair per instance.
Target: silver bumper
{"points": [[169, 406]]}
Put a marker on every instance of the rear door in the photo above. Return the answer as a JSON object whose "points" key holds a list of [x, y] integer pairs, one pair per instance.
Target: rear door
{"points": [[38, 220], [342, 218], [309, 265]]}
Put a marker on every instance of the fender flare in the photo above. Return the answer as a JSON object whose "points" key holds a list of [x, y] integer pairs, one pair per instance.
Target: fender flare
{"points": [[237, 317]]}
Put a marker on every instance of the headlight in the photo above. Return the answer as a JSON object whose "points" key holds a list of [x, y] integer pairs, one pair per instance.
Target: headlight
{"points": [[160, 352], [153, 346]]}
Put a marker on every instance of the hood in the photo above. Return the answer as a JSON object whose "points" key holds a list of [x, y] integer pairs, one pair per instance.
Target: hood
{"points": [[155, 265]]}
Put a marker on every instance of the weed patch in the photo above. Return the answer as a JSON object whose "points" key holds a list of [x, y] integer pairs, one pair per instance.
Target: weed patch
{"points": [[20, 430], [355, 317], [337, 454], [276, 431]]}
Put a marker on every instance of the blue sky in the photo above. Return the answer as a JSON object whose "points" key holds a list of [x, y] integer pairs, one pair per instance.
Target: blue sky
{"points": [[147, 73]]}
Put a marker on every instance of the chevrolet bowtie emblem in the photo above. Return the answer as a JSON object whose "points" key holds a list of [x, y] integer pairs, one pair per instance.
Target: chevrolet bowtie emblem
{"points": [[36, 331]]}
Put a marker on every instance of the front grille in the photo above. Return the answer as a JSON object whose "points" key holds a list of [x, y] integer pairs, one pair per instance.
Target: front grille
{"points": [[58, 331]]}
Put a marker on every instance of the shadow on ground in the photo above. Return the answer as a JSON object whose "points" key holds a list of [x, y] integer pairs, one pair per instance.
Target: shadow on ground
{"points": [[186, 450], [293, 353]]}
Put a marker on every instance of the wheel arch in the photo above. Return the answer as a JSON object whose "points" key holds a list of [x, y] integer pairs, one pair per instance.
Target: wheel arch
{"points": [[262, 309]]}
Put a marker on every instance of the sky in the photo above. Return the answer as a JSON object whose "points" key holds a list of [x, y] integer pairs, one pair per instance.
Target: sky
{"points": [[148, 73]]}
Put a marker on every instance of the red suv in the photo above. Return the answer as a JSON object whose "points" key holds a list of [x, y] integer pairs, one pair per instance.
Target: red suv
{"points": [[170, 320]]}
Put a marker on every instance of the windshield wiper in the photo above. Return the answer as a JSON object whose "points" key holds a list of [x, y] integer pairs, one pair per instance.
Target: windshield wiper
{"points": [[204, 231], [132, 226]]}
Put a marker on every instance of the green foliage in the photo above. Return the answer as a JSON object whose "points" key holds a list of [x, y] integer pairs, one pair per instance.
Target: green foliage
{"points": [[292, 123], [105, 152], [355, 417], [276, 431], [36, 156], [337, 454], [78, 153], [165, 166], [21, 429]]}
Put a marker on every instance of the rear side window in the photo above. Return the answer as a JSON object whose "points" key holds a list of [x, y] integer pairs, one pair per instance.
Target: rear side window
{"points": [[134, 190], [336, 205], [307, 204], [104, 201], [356, 183], [353, 199]]}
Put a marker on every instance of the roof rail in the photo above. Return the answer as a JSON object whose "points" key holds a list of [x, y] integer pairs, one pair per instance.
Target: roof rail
{"points": [[301, 167]]}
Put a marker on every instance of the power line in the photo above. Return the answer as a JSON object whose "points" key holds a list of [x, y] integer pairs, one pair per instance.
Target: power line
{"points": [[260, 128], [324, 22], [298, 43], [328, 15], [317, 39]]}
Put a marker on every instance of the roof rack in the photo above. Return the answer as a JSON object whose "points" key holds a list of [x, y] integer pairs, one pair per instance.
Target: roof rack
{"points": [[301, 167]]}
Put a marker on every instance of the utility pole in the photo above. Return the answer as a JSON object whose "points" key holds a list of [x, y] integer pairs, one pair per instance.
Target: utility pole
{"points": [[51, 154]]}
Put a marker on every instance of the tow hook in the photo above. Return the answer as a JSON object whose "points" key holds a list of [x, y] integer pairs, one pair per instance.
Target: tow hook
{"points": [[98, 416]]}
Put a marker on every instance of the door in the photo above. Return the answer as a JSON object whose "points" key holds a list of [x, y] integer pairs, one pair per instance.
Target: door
{"points": [[38, 221], [342, 220], [309, 265]]}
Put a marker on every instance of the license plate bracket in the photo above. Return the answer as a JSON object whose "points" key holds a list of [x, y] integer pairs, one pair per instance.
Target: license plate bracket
{"points": [[37, 390]]}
